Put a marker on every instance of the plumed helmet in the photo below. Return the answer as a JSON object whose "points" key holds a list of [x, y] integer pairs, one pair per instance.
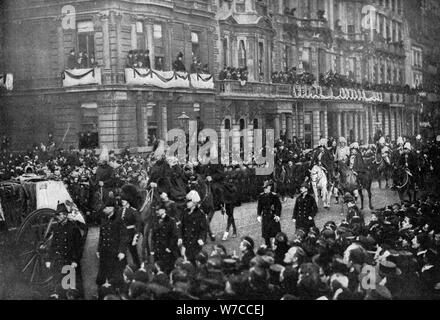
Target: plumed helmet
{"points": [[407, 145], [399, 141], [354, 145], [342, 140], [323, 142], [382, 140], [193, 196], [104, 156]]}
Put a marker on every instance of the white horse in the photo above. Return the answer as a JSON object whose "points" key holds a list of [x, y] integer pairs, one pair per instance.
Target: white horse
{"points": [[320, 183]]}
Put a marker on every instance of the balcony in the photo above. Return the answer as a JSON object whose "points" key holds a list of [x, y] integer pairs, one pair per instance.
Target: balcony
{"points": [[258, 90], [81, 77], [168, 79]]}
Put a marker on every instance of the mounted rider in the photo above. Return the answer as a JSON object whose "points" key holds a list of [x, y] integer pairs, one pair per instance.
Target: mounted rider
{"points": [[407, 160], [322, 158], [356, 160], [342, 151]]}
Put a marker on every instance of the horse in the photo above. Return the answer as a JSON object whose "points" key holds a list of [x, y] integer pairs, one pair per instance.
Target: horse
{"points": [[347, 180], [382, 168], [320, 183], [405, 183]]}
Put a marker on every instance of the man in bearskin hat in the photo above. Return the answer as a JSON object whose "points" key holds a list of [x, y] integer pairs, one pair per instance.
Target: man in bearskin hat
{"points": [[112, 245], [305, 209], [269, 212], [131, 219], [164, 239]]}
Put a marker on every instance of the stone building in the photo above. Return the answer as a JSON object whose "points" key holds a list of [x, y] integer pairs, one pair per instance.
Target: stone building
{"points": [[124, 107]]}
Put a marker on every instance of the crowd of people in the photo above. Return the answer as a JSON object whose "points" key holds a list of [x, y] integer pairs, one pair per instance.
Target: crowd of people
{"points": [[232, 73], [292, 77], [138, 59], [81, 60], [393, 255]]}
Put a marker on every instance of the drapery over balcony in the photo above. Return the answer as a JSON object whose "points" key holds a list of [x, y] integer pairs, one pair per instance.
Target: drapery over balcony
{"points": [[168, 79], [79, 77], [273, 90]]}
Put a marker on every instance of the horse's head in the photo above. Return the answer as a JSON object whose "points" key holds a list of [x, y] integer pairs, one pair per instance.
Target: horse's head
{"points": [[315, 173]]}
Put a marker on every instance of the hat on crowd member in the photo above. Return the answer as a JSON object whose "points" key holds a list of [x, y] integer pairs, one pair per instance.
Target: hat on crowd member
{"points": [[388, 268], [382, 140], [323, 142], [193, 196], [180, 55], [407, 146], [304, 185], [342, 140], [294, 252], [268, 183], [418, 137], [379, 293], [399, 141], [328, 234], [130, 194], [354, 145], [61, 208], [141, 276], [348, 198], [248, 242]]}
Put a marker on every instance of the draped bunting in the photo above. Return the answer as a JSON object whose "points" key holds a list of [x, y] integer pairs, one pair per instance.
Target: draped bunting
{"points": [[77, 77], [317, 92], [7, 81], [168, 79]]}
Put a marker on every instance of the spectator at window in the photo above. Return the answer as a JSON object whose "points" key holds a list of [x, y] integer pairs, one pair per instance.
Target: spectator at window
{"points": [[93, 63], [71, 60], [130, 60], [85, 61], [147, 62], [194, 68], [178, 64]]}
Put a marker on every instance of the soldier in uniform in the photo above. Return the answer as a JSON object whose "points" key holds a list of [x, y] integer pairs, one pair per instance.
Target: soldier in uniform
{"points": [[342, 151], [193, 228], [305, 209], [357, 163], [269, 212], [132, 220], [171, 208], [66, 248], [408, 161], [164, 237], [112, 246], [322, 157]]}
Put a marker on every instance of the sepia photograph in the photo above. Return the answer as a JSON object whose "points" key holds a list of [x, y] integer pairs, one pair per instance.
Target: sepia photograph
{"points": [[232, 151]]}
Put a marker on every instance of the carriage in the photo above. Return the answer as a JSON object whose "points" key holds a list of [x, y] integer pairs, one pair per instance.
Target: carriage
{"points": [[27, 217]]}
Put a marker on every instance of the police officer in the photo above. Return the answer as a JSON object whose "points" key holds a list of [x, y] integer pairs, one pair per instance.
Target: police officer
{"points": [[305, 209], [112, 246], [132, 220], [269, 212], [164, 239], [66, 248]]}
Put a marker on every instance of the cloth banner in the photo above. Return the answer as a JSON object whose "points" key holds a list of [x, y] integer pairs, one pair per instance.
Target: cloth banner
{"points": [[168, 79], [7, 81], [78, 77]]}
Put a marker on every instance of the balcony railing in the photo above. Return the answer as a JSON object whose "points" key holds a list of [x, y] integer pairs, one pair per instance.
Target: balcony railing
{"points": [[80, 77], [168, 79], [233, 88]]}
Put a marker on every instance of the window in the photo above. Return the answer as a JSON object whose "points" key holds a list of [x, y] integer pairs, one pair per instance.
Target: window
{"points": [[195, 44], [242, 54], [86, 38], [227, 124], [261, 60], [308, 130], [286, 57], [140, 36], [159, 49], [88, 135]]}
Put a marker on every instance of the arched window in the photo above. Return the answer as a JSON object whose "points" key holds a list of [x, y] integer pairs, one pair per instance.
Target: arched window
{"points": [[242, 54], [242, 124], [227, 124]]}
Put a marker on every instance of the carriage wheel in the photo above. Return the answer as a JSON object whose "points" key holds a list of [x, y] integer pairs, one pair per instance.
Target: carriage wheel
{"points": [[32, 245]]}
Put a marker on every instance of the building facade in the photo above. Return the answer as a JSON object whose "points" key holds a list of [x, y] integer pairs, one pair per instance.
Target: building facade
{"points": [[367, 42]]}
